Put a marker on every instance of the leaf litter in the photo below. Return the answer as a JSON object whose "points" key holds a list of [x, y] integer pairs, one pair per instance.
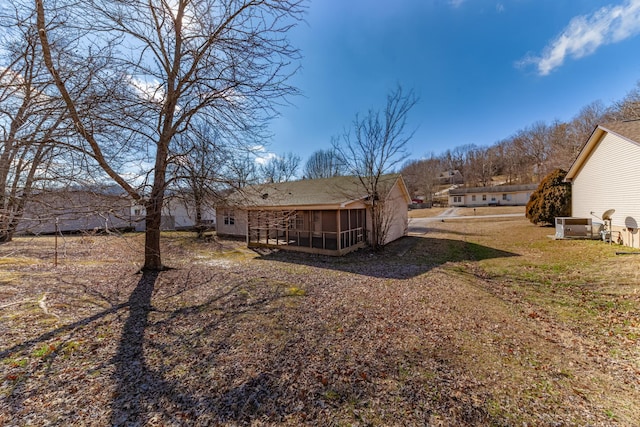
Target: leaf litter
{"points": [[275, 338]]}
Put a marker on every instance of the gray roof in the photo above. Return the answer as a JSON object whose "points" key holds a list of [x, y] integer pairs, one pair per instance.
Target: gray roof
{"points": [[339, 190], [629, 129], [494, 189]]}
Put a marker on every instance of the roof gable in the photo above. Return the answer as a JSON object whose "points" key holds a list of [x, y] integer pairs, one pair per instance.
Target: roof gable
{"points": [[628, 130]]}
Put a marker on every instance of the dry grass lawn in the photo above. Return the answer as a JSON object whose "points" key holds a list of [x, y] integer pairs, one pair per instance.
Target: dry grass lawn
{"points": [[478, 322], [481, 210]]}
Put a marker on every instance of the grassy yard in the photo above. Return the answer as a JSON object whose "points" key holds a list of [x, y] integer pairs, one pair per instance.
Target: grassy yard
{"points": [[482, 210], [476, 322]]}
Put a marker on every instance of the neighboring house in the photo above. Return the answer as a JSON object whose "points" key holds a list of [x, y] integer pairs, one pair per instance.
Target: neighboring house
{"points": [[103, 209], [606, 175], [329, 216], [450, 177], [75, 210], [180, 214], [503, 195]]}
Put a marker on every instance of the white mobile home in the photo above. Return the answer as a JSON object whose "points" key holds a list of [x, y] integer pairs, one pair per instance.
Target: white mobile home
{"points": [[502, 195]]}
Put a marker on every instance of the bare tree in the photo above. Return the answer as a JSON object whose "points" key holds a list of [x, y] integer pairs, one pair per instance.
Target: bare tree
{"points": [[280, 168], [30, 120], [374, 146], [324, 164], [480, 166], [150, 67], [629, 107], [241, 170], [197, 159], [421, 176]]}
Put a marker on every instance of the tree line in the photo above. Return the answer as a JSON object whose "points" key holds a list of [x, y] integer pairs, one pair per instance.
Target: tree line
{"points": [[525, 157]]}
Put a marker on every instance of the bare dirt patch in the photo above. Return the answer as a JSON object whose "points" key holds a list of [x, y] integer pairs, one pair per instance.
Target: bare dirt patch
{"points": [[483, 322]]}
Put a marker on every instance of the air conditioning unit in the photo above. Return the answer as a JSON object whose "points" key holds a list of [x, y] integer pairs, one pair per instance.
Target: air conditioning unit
{"points": [[573, 228]]}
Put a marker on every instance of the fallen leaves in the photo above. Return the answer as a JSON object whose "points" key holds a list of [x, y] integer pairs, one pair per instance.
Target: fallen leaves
{"points": [[290, 339]]}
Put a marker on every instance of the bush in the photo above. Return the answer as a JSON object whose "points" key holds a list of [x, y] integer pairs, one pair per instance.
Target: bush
{"points": [[551, 199]]}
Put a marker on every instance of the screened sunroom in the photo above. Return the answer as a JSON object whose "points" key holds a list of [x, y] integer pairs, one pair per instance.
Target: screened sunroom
{"points": [[332, 232]]}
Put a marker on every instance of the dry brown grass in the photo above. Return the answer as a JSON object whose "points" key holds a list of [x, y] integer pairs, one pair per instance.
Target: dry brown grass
{"points": [[479, 322], [483, 210]]}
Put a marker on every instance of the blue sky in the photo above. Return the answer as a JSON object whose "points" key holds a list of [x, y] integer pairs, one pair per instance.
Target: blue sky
{"points": [[482, 69]]}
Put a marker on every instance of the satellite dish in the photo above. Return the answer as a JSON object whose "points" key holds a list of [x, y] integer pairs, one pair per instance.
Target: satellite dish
{"points": [[606, 216]]}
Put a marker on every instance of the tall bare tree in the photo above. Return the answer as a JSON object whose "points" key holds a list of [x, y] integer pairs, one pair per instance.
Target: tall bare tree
{"points": [[280, 168], [421, 176], [324, 164], [150, 67], [198, 179], [375, 145], [30, 122]]}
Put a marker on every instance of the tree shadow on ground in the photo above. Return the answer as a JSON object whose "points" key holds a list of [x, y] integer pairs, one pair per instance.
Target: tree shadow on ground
{"points": [[236, 361], [404, 258], [150, 350], [232, 347]]}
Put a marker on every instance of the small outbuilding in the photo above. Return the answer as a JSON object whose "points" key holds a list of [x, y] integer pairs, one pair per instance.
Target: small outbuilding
{"points": [[605, 180], [329, 216]]}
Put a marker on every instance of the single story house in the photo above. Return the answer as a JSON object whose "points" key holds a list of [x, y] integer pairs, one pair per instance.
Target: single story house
{"points": [[503, 195], [84, 209], [179, 212], [605, 176], [73, 210], [330, 216]]}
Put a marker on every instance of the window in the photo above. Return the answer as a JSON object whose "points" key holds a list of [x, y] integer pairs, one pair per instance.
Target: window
{"points": [[457, 199], [505, 197], [473, 198], [229, 217], [296, 222], [484, 197]]}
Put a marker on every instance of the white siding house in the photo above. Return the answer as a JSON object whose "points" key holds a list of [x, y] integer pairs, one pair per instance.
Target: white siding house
{"points": [[503, 195], [606, 175]]}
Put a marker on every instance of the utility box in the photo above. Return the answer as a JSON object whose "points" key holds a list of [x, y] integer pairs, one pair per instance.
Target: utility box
{"points": [[573, 228]]}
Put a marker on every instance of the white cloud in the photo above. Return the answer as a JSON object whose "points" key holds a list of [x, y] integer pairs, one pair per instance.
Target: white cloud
{"points": [[586, 33], [261, 154], [147, 90], [500, 7], [456, 3]]}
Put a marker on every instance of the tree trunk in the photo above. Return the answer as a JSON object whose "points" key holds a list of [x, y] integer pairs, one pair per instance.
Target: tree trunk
{"points": [[5, 236], [200, 228], [153, 220]]}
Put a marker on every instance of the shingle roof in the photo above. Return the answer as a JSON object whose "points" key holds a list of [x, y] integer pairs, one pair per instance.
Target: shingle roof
{"points": [[324, 191], [629, 129]]}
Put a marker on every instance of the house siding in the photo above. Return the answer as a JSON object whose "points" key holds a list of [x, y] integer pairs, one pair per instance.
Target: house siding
{"points": [[398, 213], [238, 228], [492, 196], [609, 179]]}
